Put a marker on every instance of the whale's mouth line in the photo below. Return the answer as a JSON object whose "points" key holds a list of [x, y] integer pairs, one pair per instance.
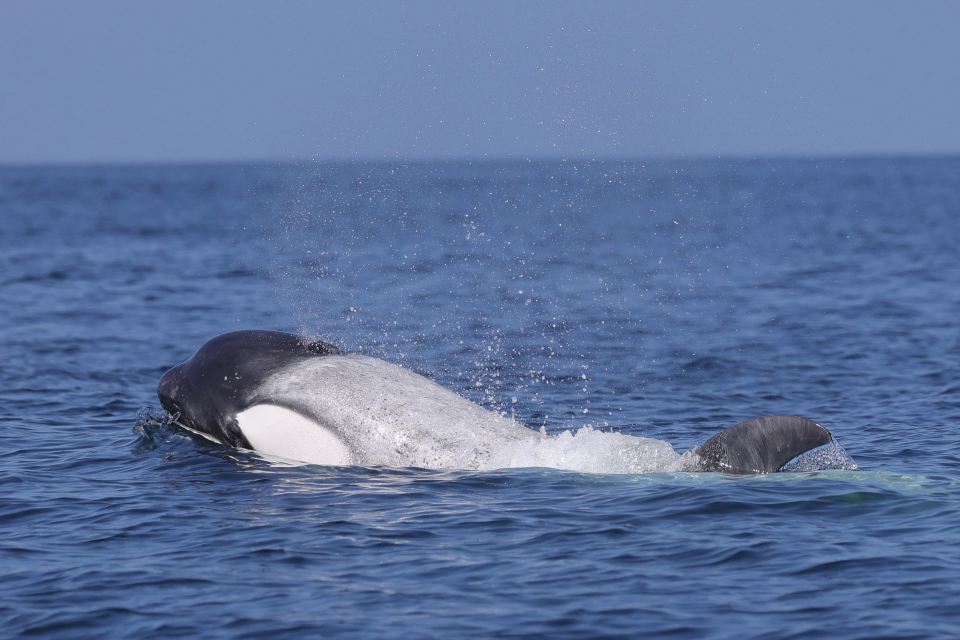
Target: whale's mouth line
{"points": [[175, 420]]}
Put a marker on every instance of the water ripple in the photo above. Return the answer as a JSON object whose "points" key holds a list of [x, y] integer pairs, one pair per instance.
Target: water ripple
{"points": [[669, 300]]}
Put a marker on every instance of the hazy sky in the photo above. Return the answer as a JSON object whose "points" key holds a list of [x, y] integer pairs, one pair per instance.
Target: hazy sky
{"points": [[171, 80]]}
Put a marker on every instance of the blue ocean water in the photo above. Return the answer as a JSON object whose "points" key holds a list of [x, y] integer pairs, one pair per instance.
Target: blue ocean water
{"points": [[666, 299]]}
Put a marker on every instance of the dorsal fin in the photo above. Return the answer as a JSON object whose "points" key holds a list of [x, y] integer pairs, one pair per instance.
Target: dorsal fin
{"points": [[761, 445]]}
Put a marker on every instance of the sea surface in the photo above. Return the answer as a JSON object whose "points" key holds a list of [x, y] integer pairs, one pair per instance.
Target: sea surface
{"points": [[665, 299]]}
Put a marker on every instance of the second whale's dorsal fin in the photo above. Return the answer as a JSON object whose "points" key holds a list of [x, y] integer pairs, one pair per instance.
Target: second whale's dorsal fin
{"points": [[761, 445]]}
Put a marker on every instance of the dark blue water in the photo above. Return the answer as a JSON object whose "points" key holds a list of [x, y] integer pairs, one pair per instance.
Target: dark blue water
{"points": [[663, 299]]}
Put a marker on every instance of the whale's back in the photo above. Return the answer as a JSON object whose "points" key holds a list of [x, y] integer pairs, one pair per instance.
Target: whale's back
{"points": [[387, 415]]}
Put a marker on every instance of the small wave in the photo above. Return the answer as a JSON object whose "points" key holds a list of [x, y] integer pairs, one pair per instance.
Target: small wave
{"points": [[156, 429]]}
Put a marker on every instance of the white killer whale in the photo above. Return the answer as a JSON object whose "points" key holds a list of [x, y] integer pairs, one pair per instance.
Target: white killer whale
{"points": [[309, 402]]}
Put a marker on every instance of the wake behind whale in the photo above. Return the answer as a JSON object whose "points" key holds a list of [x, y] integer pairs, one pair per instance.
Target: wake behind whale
{"points": [[309, 402]]}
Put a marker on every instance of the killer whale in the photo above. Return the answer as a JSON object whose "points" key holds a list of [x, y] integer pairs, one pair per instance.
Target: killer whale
{"points": [[310, 402]]}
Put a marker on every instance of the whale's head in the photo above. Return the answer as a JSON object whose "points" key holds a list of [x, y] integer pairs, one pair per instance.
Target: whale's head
{"points": [[198, 407], [206, 392]]}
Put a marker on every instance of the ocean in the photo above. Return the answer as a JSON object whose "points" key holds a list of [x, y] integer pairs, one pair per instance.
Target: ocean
{"points": [[665, 298]]}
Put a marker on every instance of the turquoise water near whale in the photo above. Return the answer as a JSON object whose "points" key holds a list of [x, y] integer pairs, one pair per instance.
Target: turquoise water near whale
{"points": [[666, 299]]}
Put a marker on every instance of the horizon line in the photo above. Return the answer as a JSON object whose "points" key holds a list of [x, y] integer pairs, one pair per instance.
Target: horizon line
{"points": [[480, 159]]}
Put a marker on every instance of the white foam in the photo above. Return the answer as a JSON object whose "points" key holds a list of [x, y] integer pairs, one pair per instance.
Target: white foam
{"points": [[386, 415], [591, 451]]}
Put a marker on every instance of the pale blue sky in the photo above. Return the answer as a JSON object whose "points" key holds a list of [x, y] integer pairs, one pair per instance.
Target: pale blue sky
{"points": [[235, 80]]}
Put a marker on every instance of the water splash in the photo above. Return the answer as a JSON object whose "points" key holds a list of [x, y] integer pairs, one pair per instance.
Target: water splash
{"points": [[589, 450], [828, 456]]}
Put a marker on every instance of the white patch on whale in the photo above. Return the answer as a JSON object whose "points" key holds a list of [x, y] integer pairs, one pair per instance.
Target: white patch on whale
{"points": [[282, 433]]}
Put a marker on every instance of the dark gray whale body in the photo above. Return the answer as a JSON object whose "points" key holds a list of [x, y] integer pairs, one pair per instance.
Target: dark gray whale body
{"points": [[220, 389], [762, 445]]}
